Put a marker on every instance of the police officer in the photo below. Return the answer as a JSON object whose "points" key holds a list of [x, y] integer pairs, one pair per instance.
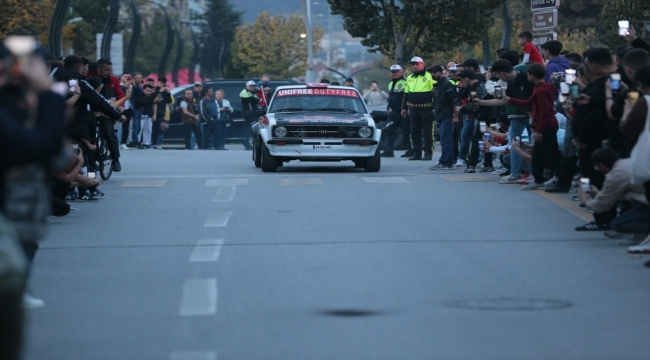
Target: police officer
{"points": [[249, 103], [418, 104], [395, 119]]}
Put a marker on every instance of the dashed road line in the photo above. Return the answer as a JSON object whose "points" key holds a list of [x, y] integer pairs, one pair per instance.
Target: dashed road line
{"points": [[199, 297], [207, 250], [384, 180], [301, 181], [225, 194], [226, 182], [218, 219], [193, 355]]}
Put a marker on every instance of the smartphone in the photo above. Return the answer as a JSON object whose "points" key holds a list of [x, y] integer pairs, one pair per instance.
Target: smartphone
{"points": [[584, 183], [72, 83], [483, 126], [623, 27], [575, 91], [565, 89], [615, 81], [159, 95], [570, 76], [92, 175], [498, 92]]}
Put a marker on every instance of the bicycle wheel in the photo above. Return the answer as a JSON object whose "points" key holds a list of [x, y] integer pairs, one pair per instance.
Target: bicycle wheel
{"points": [[104, 159]]}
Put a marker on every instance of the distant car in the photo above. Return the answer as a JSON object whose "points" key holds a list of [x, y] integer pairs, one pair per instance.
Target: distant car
{"points": [[238, 130], [316, 122]]}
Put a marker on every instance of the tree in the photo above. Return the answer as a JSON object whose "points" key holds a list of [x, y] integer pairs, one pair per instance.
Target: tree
{"points": [[81, 35], [223, 21], [636, 11], [273, 45], [400, 29], [26, 17]]}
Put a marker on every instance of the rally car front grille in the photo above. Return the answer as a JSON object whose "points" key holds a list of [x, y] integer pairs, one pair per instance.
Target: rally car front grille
{"points": [[322, 132]]}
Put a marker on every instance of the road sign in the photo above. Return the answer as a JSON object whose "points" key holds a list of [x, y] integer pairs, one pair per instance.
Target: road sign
{"points": [[540, 39], [537, 5], [545, 20]]}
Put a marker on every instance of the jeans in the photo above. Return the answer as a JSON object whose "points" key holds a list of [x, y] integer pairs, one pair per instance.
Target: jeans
{"points": [[517, 126], [146, 125], [421, 125], [193, 139], [446, 141], [466, 135], [524, 165], [395, 121], [108, 128], [209, 131], [156, 135], [192, 129], [221, 132], [135, 129], [635, 221], [123, 132]]}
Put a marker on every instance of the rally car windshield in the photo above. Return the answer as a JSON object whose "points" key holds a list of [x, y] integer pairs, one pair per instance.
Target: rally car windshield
{"points": [[326, 100]]}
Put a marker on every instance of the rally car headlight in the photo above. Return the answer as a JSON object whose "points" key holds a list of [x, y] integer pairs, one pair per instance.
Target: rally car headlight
{"points": [[365, 132], [280, 131]]}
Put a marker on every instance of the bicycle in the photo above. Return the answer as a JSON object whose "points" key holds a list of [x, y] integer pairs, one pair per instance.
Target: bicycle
{"points": [[103, 154]]}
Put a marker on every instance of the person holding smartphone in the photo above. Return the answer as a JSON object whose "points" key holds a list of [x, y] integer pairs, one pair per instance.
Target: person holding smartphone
{"points": [[162, 99]]}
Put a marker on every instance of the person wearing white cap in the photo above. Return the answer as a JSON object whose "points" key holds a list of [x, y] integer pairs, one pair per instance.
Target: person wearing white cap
{"points": [[249, 103], [395, 119], [418, 104]]}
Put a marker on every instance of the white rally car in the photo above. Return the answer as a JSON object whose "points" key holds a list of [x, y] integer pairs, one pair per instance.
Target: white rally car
{"points": [[316, 122]]}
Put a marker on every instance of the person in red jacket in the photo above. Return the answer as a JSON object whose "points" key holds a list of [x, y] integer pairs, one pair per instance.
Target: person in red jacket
{"points": [[111, 88], [531, 53], [546, 153]]}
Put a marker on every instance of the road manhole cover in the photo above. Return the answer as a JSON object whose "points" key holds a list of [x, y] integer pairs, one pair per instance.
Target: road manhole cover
{"points": [[509, 304], [348, 313]]}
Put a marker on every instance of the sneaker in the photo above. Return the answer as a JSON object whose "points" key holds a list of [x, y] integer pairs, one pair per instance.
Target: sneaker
{"points": [[72, 195], [489, 169], [157, 147], [97, 193], [407, 154], [460, 163], [509, 180], [442, 167], [532, 186], [613, 234], [575, 198], [73, 210], [526, 180], [388, 154], [117, 167], [427, 157], [642, 248], [552, 181], [500, 171], [124, 147], [592, 226], [470, 170], [31, 303], [632, 240], [555, 188], [87, 197]]}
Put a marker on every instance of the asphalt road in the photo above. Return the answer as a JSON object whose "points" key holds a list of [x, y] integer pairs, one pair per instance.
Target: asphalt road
{"points": [[199, 255]]}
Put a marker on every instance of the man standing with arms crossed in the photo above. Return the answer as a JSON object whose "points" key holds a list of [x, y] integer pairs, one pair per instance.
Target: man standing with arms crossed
{"points": [[394, 107], [418, 104]]}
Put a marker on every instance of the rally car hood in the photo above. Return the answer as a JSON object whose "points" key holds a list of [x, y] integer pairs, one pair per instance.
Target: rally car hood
{"points": [[335, 119]]}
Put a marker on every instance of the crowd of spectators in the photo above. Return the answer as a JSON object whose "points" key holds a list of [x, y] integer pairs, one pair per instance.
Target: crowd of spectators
{"points": [[557, 121]]}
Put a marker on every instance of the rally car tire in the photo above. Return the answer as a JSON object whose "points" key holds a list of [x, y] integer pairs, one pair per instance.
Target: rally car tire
{"points": [[373, 163], [257, 155], [269, 162]]}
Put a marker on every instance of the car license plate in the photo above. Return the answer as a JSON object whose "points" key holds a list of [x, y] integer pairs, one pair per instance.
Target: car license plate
{"points": [[322, 147]]}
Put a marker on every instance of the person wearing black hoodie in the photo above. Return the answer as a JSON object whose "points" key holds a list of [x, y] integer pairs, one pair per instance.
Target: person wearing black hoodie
{"points": [[78, 127]]}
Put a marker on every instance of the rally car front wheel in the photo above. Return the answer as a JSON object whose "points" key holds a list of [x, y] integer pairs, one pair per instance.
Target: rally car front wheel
{"points": [[373, 163], [269, 162]]}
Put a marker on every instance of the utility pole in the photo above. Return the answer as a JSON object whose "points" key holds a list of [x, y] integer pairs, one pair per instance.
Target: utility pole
{"points": [[310, 76]]}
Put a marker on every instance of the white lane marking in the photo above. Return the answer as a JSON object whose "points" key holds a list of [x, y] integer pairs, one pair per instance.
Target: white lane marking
{"points": [[193, 355], [207, 250], [225, 194], [218, 219], [384, 180], [301, 181], [199, 297], [226, 182]]}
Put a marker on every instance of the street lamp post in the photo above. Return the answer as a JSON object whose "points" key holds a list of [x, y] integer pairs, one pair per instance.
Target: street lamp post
{"points": [[310, 75]]}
